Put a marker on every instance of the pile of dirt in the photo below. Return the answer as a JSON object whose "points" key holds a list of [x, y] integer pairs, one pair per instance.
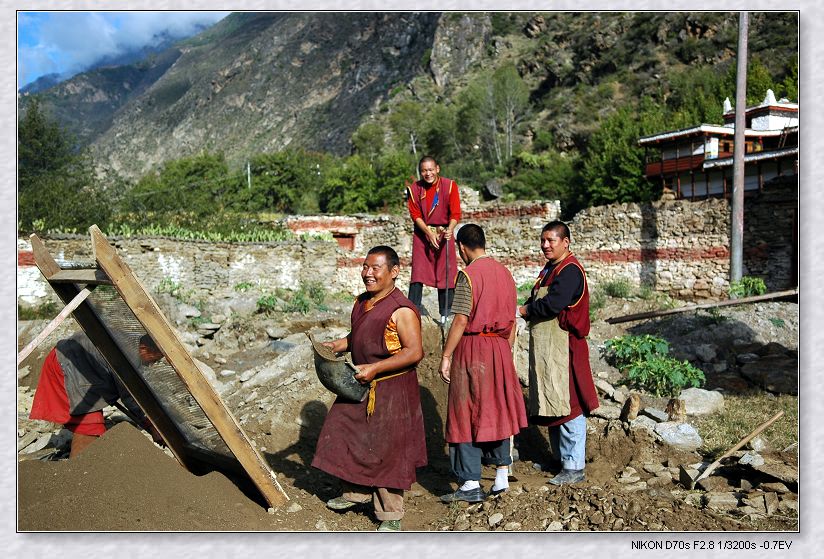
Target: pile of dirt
{"points": [[124, 482]]}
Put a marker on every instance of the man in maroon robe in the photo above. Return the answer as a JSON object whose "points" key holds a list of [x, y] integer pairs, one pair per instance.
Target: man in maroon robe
{"points": [[374, 446], [435, 208], [485, 403], [561, 293]]}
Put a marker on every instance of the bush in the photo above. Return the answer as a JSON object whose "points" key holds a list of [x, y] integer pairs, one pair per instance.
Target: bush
{"points": [[645, 362], [663, 376], [747, 286], [620, 288], [624, 351]]}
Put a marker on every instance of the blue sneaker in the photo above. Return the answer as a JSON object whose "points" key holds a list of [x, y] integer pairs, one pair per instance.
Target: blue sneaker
{"points": [[567, 477]]}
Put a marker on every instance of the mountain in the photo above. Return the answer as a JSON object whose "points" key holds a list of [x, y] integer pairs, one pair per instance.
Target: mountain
{"points": [[259, 82]]}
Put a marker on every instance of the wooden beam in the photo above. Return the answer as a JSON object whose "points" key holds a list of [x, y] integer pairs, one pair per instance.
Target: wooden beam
{"points": [[754, 299], [88, 277], [91, 324], [148, 313], [56, 321]]}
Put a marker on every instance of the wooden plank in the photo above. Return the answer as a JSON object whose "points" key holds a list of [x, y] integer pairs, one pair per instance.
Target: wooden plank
{"points": [[148, 313], [100, 337], [726, 303], [56, 321], [88, 277]]}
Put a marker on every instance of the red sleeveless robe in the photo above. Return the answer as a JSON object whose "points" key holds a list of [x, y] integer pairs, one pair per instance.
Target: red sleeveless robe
{"points": [[429, 264], [486, 402], [384, 450]]}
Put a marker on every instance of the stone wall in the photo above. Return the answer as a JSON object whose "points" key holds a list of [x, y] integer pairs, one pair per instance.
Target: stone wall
{"points": [[676, 247]]}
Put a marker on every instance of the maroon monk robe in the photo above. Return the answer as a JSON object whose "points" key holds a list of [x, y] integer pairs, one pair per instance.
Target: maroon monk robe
{"points": [[485, 398], [429, 264], [574, 319], [384, 450]]}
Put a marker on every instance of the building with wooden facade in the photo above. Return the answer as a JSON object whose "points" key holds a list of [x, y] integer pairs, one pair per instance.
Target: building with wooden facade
{"points": [[696, 162]]}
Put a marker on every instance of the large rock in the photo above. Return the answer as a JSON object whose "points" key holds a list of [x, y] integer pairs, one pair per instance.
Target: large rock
{"points": [[776, 373], [682, 436], [702, 402]]}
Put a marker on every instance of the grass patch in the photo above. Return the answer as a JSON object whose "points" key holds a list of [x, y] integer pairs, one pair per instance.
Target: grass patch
{"points": [[45, 311], [742, 414], [620, 288]]}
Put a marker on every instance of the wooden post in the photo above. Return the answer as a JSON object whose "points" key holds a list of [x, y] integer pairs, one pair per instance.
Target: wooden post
{"points": [[56, 321]]}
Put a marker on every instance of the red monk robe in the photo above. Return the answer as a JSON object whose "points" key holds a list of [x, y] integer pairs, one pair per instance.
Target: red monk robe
{"points": [[583, 398], [485, 399], [384, 450], [436, 204]]}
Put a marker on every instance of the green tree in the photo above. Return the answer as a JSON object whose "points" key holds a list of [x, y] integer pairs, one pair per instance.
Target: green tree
{"points": [[614, 163], [286, 181], [368, 140], [512, 100], [349, 187], [790, 83], [407, 124], [199, 185], [56, 183]]}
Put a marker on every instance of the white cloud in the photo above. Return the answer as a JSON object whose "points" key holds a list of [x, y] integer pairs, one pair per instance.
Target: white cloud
{"points": [[70, 42]]}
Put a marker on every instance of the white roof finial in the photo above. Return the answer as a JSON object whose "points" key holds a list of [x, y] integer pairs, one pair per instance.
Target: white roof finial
{"points": [[727, 105], [770, 98]]}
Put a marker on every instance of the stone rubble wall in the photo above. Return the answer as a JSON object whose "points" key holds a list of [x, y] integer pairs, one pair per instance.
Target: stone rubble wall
{"points": [[675, 247]]}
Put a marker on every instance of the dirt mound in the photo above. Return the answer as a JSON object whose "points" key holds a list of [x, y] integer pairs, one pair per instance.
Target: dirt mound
{"points": [[124, 482]]}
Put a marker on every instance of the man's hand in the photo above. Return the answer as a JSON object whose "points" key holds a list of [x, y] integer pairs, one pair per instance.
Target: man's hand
{"points": [[366, 373], [446, 365], [433, 238]]}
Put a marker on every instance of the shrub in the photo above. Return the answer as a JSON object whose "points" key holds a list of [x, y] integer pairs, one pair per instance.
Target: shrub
{"points": [[620, 288], [663, 376], [645, 362], [243, 286], [46, 310], [624, 351], [747, 286], [597, 301], [267, 303]]}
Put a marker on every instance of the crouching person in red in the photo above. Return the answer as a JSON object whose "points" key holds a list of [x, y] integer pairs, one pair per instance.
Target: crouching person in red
{"points": [[374, 446], [76, 383]]}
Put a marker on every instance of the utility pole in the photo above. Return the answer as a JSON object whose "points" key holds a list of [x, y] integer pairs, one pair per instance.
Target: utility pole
{"points": [[737, 218], [248, 176]]}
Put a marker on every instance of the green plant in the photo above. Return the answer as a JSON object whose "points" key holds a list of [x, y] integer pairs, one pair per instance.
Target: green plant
{"points": [[170, 286], [747, 286], [663, 376], [713, 317], [267, 304], [619, 287], [243, 286], [777, 322], [597, 301], [623, 351], [46, 310], [646, 292]]}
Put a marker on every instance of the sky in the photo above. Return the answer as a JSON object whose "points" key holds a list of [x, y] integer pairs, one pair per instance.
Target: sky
{"points": [[67, 43]]}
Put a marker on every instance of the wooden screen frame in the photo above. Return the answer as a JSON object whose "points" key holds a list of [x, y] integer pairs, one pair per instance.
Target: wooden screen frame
{"points": [[113, 271]]}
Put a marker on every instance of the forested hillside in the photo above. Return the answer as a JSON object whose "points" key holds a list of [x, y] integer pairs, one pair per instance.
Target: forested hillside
{"points": [[302, 113]]}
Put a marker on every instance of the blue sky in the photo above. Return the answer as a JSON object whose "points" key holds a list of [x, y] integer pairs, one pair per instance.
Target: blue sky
{"points": [[69, 42]]}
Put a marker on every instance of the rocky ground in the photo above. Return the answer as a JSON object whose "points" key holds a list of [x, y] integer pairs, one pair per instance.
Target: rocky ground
{"points": [[262, 368]]}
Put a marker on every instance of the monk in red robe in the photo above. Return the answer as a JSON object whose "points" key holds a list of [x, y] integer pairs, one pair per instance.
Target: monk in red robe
{"points": [[485, 403], [434, 205], [561, 389], [374, 446]]}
